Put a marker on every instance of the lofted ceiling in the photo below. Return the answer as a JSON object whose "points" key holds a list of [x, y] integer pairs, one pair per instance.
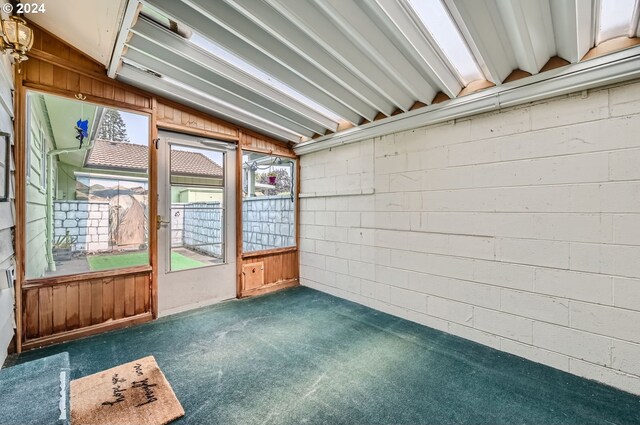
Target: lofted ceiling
{"points": [[90, 25], [306, 70]]}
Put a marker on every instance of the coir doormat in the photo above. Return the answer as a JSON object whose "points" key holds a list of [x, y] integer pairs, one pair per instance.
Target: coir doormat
{"points": [[132, 393]]}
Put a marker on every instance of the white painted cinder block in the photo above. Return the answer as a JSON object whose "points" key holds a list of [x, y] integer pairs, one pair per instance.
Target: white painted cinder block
{"points": [[571, 342], [602, 320], [503, 324], [517, 229], [539, 307], [571, 109], [452, 311], [625, 100], [625, 356], [408, 299], [624, 381], [535, 353], [626, 293]]}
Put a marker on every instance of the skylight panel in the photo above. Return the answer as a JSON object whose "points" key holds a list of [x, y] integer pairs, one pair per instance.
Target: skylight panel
{"points": [[245, 66], [227, 56], [614, 19], [446, 34], [227, 105]]}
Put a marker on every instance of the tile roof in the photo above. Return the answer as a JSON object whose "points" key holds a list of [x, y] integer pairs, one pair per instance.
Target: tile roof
{"points": [[129, 156]]}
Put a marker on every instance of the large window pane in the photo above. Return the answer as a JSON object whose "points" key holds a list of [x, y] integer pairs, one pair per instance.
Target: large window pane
{"points": [[268, 202], [197, 207], [87, 190]]}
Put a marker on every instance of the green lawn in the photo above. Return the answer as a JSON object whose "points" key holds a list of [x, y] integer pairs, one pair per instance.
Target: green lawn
{"points": [[118, 261]]}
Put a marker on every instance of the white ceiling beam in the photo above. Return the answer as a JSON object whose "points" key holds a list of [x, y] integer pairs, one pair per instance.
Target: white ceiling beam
{"points": [[573, 27], [153, 84], [634, 27], [529, 27], [166, 63], [263, 60], [482, 28], [130, 14], [169, 45], [353, 80], [420, 44], [308, 17], [243, 28], [364, 32]]}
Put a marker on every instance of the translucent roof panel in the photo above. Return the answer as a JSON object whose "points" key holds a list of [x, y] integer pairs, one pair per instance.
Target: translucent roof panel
{"points": [[227, 105], [446, 34], [614, 19], [222, 53], [236, 61]]}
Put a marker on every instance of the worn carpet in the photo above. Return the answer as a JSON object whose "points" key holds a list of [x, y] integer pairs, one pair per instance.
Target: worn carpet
{"points": [[35, 393], [303, 357], [132, 393]]}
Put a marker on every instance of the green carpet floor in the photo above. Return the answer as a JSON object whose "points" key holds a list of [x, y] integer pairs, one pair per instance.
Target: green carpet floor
{"points": [[304, 357], [118, 261], [30, 393]]}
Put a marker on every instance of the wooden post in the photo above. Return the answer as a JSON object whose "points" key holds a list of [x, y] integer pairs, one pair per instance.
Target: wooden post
{"points": [[154, 145], [19, 154]]}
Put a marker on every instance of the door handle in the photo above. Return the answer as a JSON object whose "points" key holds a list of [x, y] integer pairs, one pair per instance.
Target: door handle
{"points": [[160, 222]]}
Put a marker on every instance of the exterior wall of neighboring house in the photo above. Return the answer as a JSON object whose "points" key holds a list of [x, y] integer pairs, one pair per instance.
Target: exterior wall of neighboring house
{"points": [[518, 229], [7, 210], [40, 141], [66, 181], [184, 195]]}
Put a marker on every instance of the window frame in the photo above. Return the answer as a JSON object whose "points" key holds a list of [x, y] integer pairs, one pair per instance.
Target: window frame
{"points": [[296, 199], [224, 210]]}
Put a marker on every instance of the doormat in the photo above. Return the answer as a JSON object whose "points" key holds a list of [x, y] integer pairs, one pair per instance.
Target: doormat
{"points": [[132, 393]]}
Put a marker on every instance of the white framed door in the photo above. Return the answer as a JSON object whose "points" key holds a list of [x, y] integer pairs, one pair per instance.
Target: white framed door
{"points": [[196, 223]]}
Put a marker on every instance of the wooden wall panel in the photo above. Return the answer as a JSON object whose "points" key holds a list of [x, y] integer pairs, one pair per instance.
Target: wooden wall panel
{"points": [[55, 78], [259, 143], [107, 299], [56, 310], [280, 269], [118, 297], [72, 304], [175, 117]]}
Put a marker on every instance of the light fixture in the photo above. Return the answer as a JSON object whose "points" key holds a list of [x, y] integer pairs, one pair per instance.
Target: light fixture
{"points": [[17, 38]]}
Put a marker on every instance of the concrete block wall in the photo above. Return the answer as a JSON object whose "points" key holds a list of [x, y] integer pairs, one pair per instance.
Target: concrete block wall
{"points": [[84, 220], [518, 229], [268, 222]]}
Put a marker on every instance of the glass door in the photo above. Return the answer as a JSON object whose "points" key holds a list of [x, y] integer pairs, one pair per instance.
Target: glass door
{"points": [[196, 223]]}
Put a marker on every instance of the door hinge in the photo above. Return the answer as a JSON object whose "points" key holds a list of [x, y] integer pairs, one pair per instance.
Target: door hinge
{"points": [[155, 142]]}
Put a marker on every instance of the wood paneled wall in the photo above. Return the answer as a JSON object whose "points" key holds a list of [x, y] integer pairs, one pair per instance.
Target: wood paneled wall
{"points": [[172, 116], [279, 269], [254, 142], [54, 310], [56, 67]]}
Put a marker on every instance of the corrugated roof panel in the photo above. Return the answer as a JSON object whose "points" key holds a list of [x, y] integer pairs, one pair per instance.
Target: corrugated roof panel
{"points": [[443, 29]]}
